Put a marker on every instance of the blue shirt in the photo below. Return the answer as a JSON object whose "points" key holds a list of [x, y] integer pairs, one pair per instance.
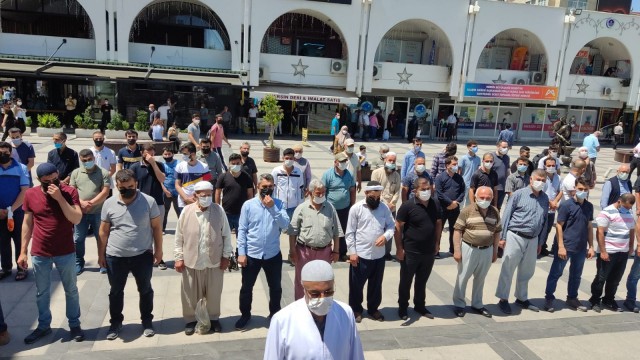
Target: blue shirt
{"points": [[526, 213], [335, 126], [468, 165], [576, 222], [338, 188], [12, 179], [407, 163], [409, 179], [259, 228], [450, 189], [170, 177], [506, 135], [23, 153], [591, 143], [606, 191]]}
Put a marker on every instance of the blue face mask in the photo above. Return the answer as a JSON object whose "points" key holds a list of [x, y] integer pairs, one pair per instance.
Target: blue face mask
{"points": [[522, 168], [582, 194], [89, 164], [474, 149], [57, 145]]}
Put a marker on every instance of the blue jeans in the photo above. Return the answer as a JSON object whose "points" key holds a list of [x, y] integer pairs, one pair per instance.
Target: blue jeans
{"points": [[3, 325], [80, 234], [65, 265], [632, 279], [118, 269], [234, 221], [290, 212], [575, 273]]}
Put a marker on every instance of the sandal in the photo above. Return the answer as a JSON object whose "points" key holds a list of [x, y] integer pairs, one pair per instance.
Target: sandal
{"points": [[4, 273], [21, 274]]}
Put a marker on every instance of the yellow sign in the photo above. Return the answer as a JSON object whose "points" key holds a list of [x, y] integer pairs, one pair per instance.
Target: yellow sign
{"points": [[305, 136]]}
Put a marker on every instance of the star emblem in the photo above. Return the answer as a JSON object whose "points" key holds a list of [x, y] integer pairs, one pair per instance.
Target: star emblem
{"points": [[404, 76], [299, 68], [499, 80], [582, 87]]}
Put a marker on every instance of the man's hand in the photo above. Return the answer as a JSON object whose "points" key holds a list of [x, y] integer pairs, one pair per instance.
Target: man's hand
{"points": [[502, 243], [604, 256], [23, 263], [150, 159], [562, 253], [353, 260], [359, 187], [102, 261], [55, 193], [167, 193], [495, 256], [591, 253], [293, 256], [157, 256], [381, 241], [553, 205], [335, 257], [539, 249], [224, 263], [400, 254], [267, 201], [242, 260], [189, 200], [179, 265], [3, 214], [457, 255]]}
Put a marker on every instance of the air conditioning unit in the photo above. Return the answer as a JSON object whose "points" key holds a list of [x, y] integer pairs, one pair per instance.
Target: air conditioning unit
{"points": [[264, 73], [377, 71], [537, 78], [521, 81], [338, 66], [606, 91]]}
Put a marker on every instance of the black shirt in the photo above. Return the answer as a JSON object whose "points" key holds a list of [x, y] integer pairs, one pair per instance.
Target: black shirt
{"points": [[148, 182], [65, 160], [234, 191], [418, 232], [480, 178], [105, 109], [450, 188], [249, 166]]}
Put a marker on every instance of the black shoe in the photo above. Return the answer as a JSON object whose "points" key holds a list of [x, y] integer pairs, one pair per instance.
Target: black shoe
{"points": [[459, 311], [388, 257], [544, 252], [114, 331], [504, 306], [424, 312], [438, 257], [483, 311], [36, 335], [358, 317], [631, 306], [77, 334], [596, 307], [190, 328], [241, 324], [402, 313], [527, 305], [613, 306], [215, 326]]}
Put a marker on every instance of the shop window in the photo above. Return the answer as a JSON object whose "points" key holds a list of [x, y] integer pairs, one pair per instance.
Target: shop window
{"points": [[63, 18]]}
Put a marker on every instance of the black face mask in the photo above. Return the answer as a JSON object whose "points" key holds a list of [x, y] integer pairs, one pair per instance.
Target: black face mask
{"points": [[244, 153], [168, 159], [373, 203], [206, 150], [5, 158], [127, 193], [266, 191], [131, 141], [45, 184], [98, 143]]}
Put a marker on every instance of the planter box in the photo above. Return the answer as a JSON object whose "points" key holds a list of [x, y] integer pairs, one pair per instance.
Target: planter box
{"points": [[183, 136], [115, 134], [85, 133], [27, 132], [271, 155], [47, 132]]}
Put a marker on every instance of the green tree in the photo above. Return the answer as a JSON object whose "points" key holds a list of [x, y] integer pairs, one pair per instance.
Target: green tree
{"points": [[273, 115]]}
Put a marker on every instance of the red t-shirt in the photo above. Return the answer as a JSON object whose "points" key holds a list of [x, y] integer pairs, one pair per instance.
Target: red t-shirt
{"points": [[52, 232]]}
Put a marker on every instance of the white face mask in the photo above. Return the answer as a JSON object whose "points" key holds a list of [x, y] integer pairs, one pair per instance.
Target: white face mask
{"points": [[538, 185], [205, 201], [420, 169], [197, 122], [288, 163], [483, 204], [186, 157], [551, 170], [297, 155], [349, 150], [623, 176], [235, 168], [344, 132], [19, 103], [320, 306], [424, 195], [503, 151], [553, 154], [342, 166], [487, 165], [318, 200]]}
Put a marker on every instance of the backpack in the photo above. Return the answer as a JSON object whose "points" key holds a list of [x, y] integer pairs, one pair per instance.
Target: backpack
{"points": [[209, 132], [537, 158]]}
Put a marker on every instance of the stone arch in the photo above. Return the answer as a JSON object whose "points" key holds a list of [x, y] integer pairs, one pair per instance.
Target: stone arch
{"points": [[419, 30]]}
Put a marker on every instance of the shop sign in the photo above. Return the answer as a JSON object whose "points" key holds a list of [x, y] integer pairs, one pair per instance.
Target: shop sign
{"points": [[511, 91]]}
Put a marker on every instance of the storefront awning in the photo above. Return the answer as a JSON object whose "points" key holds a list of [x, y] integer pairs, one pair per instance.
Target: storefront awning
{"points": [[288, 93]]}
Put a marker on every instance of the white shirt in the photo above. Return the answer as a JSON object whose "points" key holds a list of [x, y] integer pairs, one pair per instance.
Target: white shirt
{"points": [[552, 188], [253, 112], [568, 184], [618, 130], [541, 165], [353, 165], [636, 151], [164, 112], [289, 188], [451, 119], [104, 159], [293, 334], [365, 226]]}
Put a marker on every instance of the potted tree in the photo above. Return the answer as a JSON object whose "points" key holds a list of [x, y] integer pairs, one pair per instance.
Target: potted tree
{"points": [[273, 115], [48, 124], [141, 124], [117, 127], [183, 135], [29, 126], [86, 125]]}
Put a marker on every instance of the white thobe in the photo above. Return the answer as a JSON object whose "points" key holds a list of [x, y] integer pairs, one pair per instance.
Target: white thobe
{"points": [[293, 334]]}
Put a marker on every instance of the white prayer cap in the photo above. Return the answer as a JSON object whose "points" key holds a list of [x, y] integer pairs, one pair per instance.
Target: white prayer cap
{"points": [[203, 185], [317, 270]]}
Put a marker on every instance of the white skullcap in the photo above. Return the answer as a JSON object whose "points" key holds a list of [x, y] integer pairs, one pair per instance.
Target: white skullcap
{"points": [[373, 188], [317, 270], [203, 185]]}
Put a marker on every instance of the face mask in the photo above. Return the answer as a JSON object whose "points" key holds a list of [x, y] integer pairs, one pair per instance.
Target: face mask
{"points": [[344, 132], [127, 193], [16, 142], [538, 185], [474, 149], [244, 153], [319, 200], [206, 150], [5, 158], [89, 164], [168, 159], [106, 103], [551, 170], [504, 150], [320, 306], [583, 154], [186, 157], [487, 165], [205, 201], [454, 169], [266, 192], [297, 155], [417, 148], [349, 150], [372, 202], [288, 163], [522, 168], [483, 204], [342, 166], [623, 176], [236, 168], [196, 122], [420, 169], [390, 166], [553, 154], [131, 141], [581, 195], [45, 184], [19, 103], [150, 109], [57, 145], [424, 195], [98, 143]]}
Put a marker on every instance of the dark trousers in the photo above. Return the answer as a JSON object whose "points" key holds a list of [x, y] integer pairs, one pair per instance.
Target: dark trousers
{"points": [[617, 139], [501, 196], [118, 269], [343, 216], [608, 277], [168, 201], [253, 128], [6, 237], [3, 325], [551, 218], [635, 164], [370, 272], [273, 270], [451, 216], [219, 151], [418, 265]]}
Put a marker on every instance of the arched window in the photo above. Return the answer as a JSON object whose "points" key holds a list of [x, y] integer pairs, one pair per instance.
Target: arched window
{"points": [[415, 42], [63, 18]]}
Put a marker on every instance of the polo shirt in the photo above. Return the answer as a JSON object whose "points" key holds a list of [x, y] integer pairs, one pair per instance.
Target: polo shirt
{"points": [[52, 231], [128, 157], [12, 179], [516, 181], [481, 178], [130, 232], [89, 184], [148, 182], [617, 223], [23, 153], [418, 232], [315, 228], [212, 159], [408, 180], [337, 186], [194, 130], [249, 166], [552, 188], [65, 160], [526, 213], [501, 167], [234, 191], [591, 143], [191, 175], [478, 229], [104, 157], [576, 219]]}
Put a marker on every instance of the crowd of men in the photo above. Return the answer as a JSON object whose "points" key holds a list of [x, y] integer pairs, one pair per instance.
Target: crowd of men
{"points": [[494, 207]]}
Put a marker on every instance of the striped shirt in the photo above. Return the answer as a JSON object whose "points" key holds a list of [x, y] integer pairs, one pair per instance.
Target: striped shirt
{"points": [[526, 214], [617, 223], [190, 176], [478, 230]]}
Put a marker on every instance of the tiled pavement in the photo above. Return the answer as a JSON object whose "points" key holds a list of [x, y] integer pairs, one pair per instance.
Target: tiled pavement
{"points": [[524, 335]]}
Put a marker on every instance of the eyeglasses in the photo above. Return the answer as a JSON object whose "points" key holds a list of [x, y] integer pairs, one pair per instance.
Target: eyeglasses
{"points": [[314, 294]]}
